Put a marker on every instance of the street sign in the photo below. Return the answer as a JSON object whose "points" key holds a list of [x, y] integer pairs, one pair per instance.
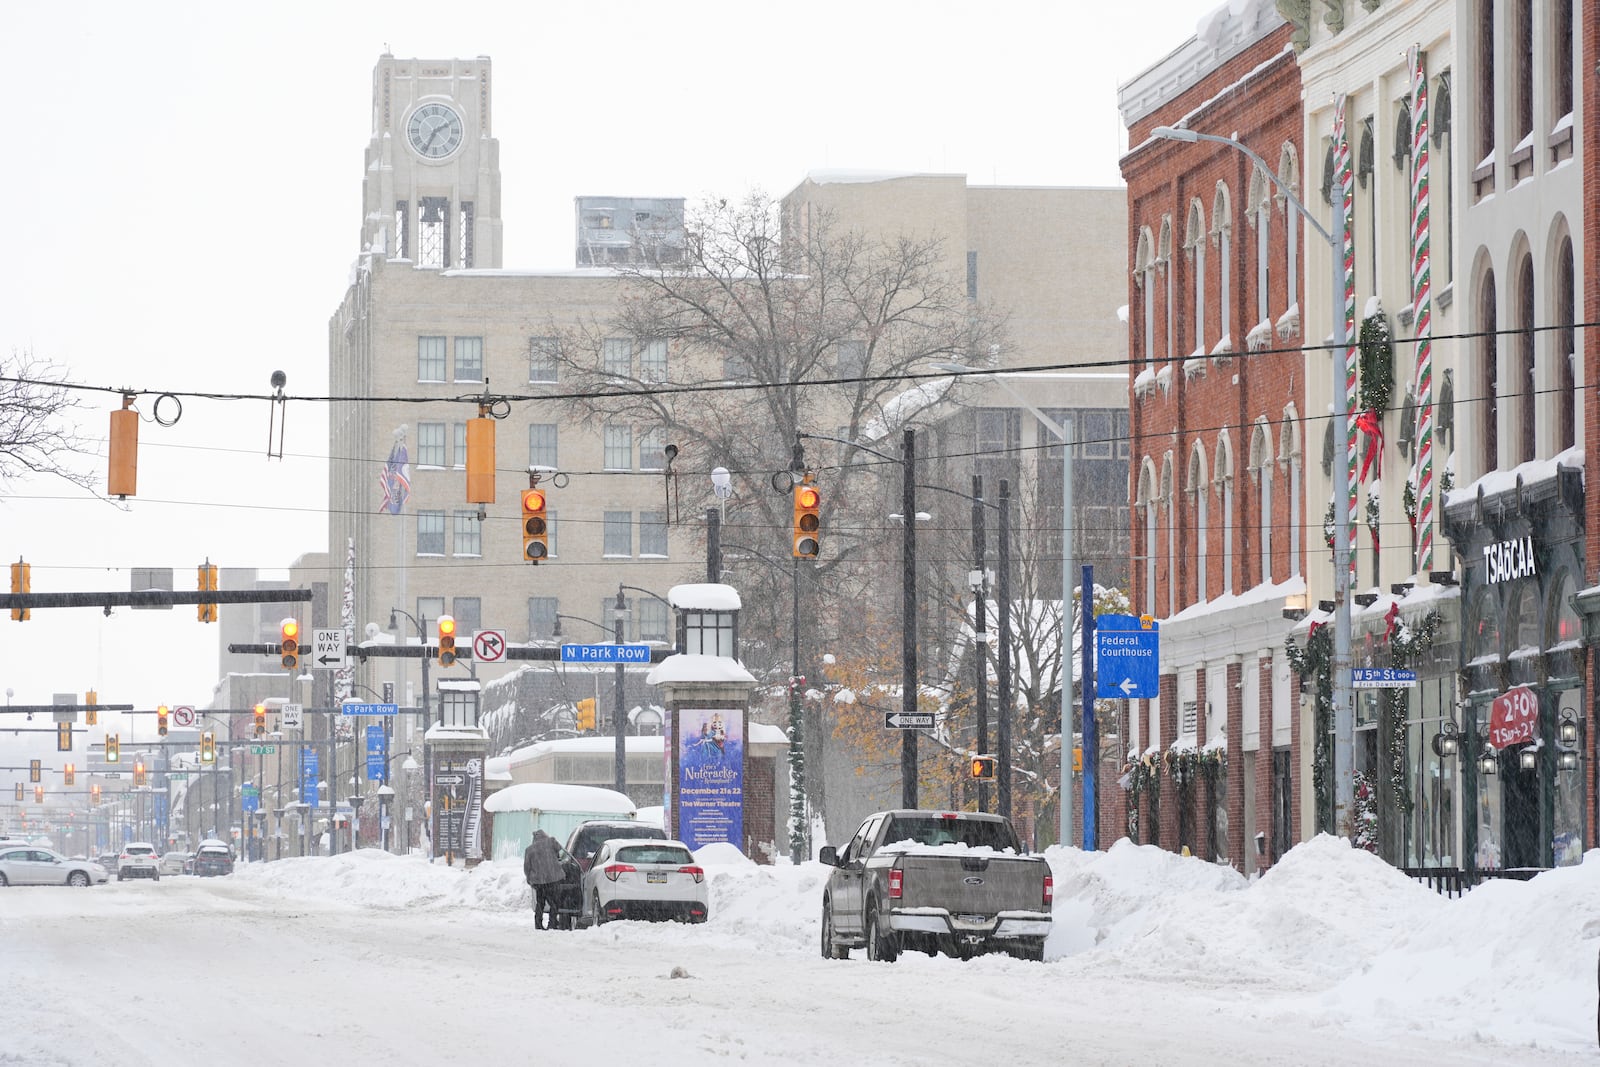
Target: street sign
{"points": [[908, 720], [605, 653], [1127, 657], [328, 649], [350, 707], [489, 646], [1382, 678], [263, 750], [449, 779], [250, 797], [289, 717], [183, 715], [109, 774], [375, 762]]}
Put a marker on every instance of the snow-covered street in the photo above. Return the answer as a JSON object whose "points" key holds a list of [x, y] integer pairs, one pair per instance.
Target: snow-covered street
{"points": [[1332, 958]]}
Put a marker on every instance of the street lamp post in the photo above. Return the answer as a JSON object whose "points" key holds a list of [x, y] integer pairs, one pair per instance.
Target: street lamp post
{"points": [[620, 725], [1343, 711]]}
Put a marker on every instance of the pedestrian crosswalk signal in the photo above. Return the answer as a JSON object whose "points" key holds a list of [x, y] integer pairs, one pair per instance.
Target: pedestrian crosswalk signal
{"points": [[535, 526], [807, 521], [983, 768]]}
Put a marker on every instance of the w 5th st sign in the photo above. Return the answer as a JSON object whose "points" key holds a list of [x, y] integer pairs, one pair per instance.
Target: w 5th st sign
{"points": [[1505, 561]]}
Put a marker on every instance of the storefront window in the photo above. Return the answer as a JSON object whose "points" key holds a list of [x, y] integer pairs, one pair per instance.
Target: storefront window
{"points": [[1566, 842], [1524, 617], [1484, 635], [1435, 780], [1490, 831], [1564, 630]]}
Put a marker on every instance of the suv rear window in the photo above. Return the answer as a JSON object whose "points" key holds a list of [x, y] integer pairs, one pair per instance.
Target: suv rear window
{"points": [[654, 854], [138, 850], [589, 837]]}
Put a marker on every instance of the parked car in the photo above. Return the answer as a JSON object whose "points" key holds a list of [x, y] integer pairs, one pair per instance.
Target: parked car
{"points": [[33, 865], [173, 862], [213, 857], [634, 878], [108, 860], [138, 859], [938, 881], [587, 837]]}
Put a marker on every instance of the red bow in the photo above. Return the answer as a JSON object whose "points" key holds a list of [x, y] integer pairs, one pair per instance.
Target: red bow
{"points": [[1367, 423], [1314, 628], [1391, 618]]}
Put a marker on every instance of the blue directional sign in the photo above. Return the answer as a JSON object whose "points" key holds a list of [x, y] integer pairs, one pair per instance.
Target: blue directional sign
{"points": [[1127, 657], [250, 797], [350, 707], [375, 752], [308, 776], [605, 653]]}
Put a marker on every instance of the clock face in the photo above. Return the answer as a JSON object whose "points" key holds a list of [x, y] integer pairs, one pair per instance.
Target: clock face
{"points": [[434, 130]]}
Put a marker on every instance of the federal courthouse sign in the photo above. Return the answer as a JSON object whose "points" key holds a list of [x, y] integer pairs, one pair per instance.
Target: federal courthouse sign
{"points": [[1505, 561]]}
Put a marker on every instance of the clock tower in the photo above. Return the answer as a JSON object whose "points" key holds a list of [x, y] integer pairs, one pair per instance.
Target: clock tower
{"points": [[431, 194]]}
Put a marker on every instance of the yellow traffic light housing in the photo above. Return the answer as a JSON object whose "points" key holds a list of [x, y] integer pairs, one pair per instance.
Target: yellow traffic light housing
{"points": [[35, 771], [122, 476], [113, 748], [91, 716], [208, 583], [20, 792], [289, 643], [63, 737], [535, 526], [38, 794], [480, 458], [21, 582], [208, 747], [983, 768], [807, 521], [260, 721], [138, 772], [161, 720], [94, 793], [585, 717], [447, 641], [69, 774]]}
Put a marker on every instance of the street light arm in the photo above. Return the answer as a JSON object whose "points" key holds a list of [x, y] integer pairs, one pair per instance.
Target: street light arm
{"points": [[851, 444], [1178, 133], [646, 592]]}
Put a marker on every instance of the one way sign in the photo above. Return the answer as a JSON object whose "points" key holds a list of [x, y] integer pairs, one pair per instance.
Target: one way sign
{"points": [[328, 649]]}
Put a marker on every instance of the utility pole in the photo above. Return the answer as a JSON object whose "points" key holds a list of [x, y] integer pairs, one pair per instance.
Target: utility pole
{"points": [[980, 591], [908, 623], [1003, 664]]}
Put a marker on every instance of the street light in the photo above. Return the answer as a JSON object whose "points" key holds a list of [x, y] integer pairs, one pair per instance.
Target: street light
{"points": [[422, 634], [1343, 711], [620, 725]]}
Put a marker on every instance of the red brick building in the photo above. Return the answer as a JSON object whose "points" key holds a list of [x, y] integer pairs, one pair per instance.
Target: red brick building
{"points": [[1217, 414]]}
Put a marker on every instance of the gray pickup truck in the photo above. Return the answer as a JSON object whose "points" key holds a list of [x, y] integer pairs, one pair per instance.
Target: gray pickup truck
{"points": [[941, 881]]}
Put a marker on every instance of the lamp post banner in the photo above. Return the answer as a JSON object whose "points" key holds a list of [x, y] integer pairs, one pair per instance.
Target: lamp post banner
{"points": [[710, 777], [1514, 717]]}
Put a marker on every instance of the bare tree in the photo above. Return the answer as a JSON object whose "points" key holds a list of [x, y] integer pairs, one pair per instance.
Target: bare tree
{"points": [[36, 434]]}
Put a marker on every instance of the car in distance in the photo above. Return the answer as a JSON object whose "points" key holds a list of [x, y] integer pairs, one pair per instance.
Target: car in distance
{"points": [[588, 836], [108, 860], [138, 859], [173, 862], [646, 879], [34, 865], [213, 857]]}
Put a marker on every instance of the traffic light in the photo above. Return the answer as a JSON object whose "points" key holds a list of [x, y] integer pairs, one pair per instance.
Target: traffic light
{"points": [[20, 582], [92, 717], [38, 794], [535, 527], [208, 582], [63, 737], [94, 794], [208, 747], [113, 749], [122, 476], [161, 720], [138, 772], [35, 771], [447, 641], [585, 719], [261, 722], [69, 774], [480, 458], [807, 521], [289, 643], [19, 792], [983, 768]]}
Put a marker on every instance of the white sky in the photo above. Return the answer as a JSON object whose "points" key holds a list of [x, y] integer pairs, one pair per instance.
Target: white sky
{"points": [[182, 184]]}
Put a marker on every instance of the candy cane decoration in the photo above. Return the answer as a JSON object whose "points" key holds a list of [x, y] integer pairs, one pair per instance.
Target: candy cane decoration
{"points": [[1422, 307], [1344, 179]]}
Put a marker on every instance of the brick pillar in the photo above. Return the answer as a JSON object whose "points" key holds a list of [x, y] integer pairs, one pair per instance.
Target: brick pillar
{"points": [[1234, 781], [1199, 818], [1263, 768], [1168, 734]]}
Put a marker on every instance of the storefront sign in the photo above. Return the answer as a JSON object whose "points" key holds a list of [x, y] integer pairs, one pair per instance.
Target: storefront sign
{"points": [[1504, 561], [1514, 718]]}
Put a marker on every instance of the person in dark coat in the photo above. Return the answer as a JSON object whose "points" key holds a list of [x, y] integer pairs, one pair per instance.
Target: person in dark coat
{"points": [[541, 866]]}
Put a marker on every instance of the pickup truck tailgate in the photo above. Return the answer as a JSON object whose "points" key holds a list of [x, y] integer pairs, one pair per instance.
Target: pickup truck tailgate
{"points": [[971, 883]]}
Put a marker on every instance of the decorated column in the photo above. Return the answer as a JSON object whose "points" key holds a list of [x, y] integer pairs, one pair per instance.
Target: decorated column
{"points": [[1344, 180], [1422, 308]]}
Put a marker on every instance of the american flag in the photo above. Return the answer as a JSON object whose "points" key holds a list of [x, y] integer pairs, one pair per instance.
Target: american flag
{"points": [[395, 479]]}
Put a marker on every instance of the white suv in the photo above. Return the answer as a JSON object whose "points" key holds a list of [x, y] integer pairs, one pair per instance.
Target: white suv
{"points": [[138, 859]]}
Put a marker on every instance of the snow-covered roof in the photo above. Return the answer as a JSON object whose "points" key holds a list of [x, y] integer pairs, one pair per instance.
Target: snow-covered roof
{"points": [[684, 667], [571, 745], [557, 796], [459, 685], [497, 769], [1498, 481], [436, 732], [704, 596]]}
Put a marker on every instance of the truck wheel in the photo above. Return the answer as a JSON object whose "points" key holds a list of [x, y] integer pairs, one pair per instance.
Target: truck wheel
{"points": [[1031, 950], [881, 944], [831, 951]]}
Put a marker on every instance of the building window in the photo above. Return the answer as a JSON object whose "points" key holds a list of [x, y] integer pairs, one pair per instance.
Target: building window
{"points": [[1095, 440], [851, 359], [653, 618], [1197, 494], [616, 356], [653, 450], [1289, 175], [735, 367], [430, 533], [542, 617], [618, 538], [653, 360], [1442, 235], [1525, 365], [1195, 244], [708, 633], [1486, 95], [468, 612], [1222, 220], [430, 444], [1562, 43], [550, 527], [972, 275], [1261, 205], [653, 533], [1119, 422], [429, 608], [542, 359], [459, 456], [618, 447], [1567, 398], [466, 253], [430, 359], [468, 534], [469, 359], [542, 451], [1488, 376]]}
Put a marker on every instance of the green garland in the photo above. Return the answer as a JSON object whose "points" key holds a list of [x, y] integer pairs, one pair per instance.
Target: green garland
{"points": [[1407, 645], [1377, 363], [1314, 663]]}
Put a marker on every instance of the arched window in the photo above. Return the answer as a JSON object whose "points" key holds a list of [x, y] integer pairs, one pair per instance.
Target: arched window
{"points": [[1260, 216], [1523, 617], [1289, 175], [1222, 231], [1224, 483], [1144, 277], [1198, 499], [1563, 628], [1168, 504], [1488, 376], [1261, 460], [1149, 501], [1524, 363], [1289, 455], [1164, 262], [1194, 243], [1485, 635], [1566, 349]]}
